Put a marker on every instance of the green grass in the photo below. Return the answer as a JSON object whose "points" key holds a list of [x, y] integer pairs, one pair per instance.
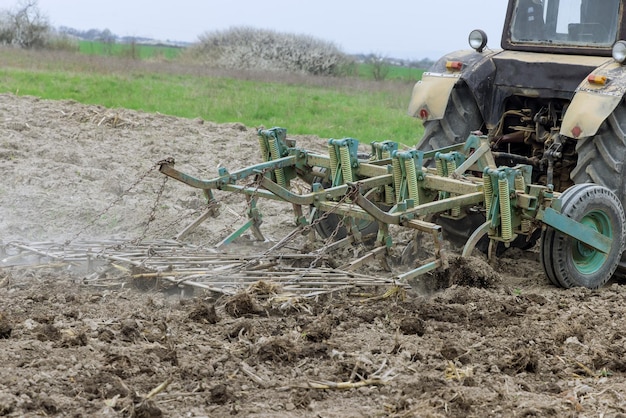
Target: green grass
{"points": [[329, 108], [137, 51], [395, 72]]}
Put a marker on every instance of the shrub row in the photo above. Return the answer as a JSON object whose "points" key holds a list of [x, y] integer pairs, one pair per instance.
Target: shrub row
{"points": [[263, 49]]}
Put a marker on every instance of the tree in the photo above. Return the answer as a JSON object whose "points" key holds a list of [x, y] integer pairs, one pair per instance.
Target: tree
{"points": [[108, 39], [25, 26], [379, 65]]}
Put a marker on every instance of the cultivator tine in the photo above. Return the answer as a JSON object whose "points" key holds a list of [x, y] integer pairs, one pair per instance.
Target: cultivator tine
{"points": [[501, 201], [440, 258], [253, 224], [378, 252], [273, 145], [382, 152]]}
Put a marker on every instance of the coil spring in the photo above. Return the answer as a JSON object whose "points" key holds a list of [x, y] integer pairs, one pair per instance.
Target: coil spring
{"points": [[440, 173], [505, 210], [451, 165], [411, 176], [488, 190], [334, 161], [397, 178], [389, 191], [520, 184], [346, 166], [265, 152], [439, 166], [279, 172]]}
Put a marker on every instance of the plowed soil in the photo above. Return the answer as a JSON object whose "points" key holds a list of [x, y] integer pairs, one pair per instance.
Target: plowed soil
{"points": [[478, 339]]}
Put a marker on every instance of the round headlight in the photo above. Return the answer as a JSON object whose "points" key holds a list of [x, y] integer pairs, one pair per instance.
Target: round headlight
{"points": [[478, 40], [619, 52]]}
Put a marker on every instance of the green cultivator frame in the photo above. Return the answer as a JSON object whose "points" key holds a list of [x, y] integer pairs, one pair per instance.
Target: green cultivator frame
{"points": [[355, 199]]}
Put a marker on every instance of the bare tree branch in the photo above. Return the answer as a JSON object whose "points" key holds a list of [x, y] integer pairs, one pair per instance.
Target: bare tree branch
{"points": [[24, 26]]}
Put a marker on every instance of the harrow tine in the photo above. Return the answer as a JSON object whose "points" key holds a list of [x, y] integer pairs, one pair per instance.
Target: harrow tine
{"points": [[210, 212], [423, 269], [373, 254]]}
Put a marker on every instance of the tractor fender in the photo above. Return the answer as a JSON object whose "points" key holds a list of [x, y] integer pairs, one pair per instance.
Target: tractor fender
{"points": [[431, 94], [594, 100]]}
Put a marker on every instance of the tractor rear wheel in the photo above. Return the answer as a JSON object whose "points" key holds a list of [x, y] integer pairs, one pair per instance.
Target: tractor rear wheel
{"points": [[569, 262], [601, 158], [328, 224]]}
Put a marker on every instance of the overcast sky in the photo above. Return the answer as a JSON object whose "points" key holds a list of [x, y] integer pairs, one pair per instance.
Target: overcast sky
{"points": [[411, 29]]}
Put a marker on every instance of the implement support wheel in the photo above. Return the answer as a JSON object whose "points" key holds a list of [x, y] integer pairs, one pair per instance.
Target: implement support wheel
{"points": [[570, 263]]}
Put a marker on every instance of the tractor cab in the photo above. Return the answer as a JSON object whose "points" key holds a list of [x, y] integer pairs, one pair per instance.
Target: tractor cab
{"points": [[587, 27]]}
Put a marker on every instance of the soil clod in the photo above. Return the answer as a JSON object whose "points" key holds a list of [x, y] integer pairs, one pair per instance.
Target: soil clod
{"points": [[240, 305], [5, 326], [204, 313]]}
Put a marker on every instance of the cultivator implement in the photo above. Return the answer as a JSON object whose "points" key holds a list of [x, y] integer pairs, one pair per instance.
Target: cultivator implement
{"points": [[353, 199]]}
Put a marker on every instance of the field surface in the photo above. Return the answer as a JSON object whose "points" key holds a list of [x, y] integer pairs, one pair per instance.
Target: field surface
{"points": [[477, 340]]}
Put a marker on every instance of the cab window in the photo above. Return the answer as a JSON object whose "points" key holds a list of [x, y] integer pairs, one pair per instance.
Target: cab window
{"points": [[566, 22]]}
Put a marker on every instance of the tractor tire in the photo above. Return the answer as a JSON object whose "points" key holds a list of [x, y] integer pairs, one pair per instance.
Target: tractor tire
{"points": [[329, 224], [462, 117], [601, 158], [569, 262]]}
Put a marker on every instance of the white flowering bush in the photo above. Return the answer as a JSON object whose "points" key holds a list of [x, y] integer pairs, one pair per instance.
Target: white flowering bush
{"points": [[248, 48]]}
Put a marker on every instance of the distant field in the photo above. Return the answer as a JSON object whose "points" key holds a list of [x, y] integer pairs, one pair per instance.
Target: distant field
{"points": [[328, 107], [138, 51]]}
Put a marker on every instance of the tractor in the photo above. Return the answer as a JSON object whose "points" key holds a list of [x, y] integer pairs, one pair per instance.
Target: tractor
{"points": [[551, 97]]}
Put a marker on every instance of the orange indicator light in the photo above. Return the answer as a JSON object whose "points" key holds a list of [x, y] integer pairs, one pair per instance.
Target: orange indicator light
{"points": [[597, 79], [454, 65]]}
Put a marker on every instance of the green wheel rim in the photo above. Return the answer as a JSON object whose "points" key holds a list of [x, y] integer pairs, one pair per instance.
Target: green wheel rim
{"points": [[586, 259]]}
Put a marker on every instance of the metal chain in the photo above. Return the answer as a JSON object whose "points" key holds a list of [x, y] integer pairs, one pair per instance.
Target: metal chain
{"points": [[113, 203], [152, 214], [256, 183]]}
